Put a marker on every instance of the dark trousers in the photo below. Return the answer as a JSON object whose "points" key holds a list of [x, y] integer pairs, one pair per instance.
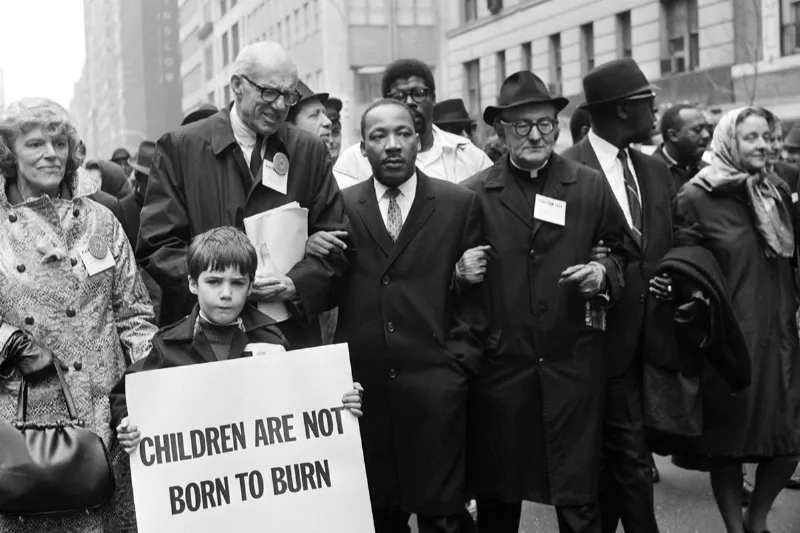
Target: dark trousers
{"points": [[499, 517], [393, 520], [626, 481]]}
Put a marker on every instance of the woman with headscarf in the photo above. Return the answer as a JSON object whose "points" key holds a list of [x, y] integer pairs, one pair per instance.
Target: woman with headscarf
{"points": [[744, 213], [70, 294]]}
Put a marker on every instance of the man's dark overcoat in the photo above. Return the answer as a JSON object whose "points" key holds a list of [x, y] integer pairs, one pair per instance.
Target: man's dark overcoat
{"points": [[535, 407], [414, 343], [199, 180]]}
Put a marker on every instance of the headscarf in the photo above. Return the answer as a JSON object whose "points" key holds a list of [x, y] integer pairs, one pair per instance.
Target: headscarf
{"points": [[726, 173]]}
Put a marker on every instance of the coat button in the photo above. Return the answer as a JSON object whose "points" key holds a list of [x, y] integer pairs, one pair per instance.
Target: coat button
{"points": [[77, 365], [392, 373], [70, 313], [532, 253], [641, 298], [386, 280], [76, 213], [73, 261], [390, 327], [29, 320], [12, 217], [20, 268], [541, 360]]}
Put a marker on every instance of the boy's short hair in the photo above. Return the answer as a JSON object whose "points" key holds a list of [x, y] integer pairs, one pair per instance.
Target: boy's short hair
{"points": [[220, 248]]}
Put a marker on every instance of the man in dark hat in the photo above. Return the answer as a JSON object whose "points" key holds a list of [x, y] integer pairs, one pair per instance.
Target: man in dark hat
{"points": [[791, 145], [442, 155], [333, 108], [622, 106], [685, 132], [122, 157], [536, 405], [238, 163], [451, 116], [202, 112], [309, 113]]}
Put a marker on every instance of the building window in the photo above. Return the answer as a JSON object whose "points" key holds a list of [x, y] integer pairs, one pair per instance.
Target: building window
{"points": [[680, 49], [367, 12], [624, 48], [587, 47], [233, 3], [223, 7], [192, 81], [207, 12], [790, 21], [500, 68], [555, 64], [470, 10], [415, 12], [280, 33], [287, 24], [494, 6], [190, 44], [472, 73], [527, 57], [307, 19], [188, 9], [209, 62], [298, 30], [235, 40], [226, 58], [368, 86]]}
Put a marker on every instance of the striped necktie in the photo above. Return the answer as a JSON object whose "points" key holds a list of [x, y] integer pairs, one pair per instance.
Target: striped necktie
{"points": [[634, 202], [394, 218]]}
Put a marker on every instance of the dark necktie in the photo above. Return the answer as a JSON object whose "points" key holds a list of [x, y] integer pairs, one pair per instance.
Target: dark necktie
{"points": [[634, 202], [255, 158]]}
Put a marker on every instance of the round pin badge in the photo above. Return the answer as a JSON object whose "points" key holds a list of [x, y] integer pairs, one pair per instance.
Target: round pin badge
{"points": [[97, 247], [281, 164]]}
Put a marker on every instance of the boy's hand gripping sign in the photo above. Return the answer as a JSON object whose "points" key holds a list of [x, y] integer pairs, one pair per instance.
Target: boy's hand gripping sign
{"points": [[249, 445]]}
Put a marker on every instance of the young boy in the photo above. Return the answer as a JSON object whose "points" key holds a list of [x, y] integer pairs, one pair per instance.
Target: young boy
{"points": [[222, 265]]}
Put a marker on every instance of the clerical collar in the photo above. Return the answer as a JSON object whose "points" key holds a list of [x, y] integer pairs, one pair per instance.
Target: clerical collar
{"points": [[531, 173]]}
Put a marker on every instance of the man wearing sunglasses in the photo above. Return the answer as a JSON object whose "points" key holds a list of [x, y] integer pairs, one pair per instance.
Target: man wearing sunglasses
{"points": [[442, 155], [242, 161]]}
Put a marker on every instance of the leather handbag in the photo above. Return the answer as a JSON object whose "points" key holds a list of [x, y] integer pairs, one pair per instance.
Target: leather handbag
{"points": [[52, 468]]}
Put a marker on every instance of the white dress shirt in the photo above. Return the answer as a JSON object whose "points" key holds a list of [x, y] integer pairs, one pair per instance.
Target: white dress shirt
{"points": [[405, 199], [612, 167], [245, 137]]}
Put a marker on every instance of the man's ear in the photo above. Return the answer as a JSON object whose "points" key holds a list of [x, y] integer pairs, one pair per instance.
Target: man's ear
{"points": [[236, 86], [192, 285], [672, 135], [363, 148], [622, 110], [419, 143]]}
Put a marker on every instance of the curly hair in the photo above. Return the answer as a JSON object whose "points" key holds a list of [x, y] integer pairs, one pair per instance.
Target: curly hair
{"points": [[405, 68], [27, 114]]}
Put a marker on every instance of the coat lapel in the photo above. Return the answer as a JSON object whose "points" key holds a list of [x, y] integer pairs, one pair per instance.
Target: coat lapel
{"points": [[421, 210], [511, 195], [370, 215], [557, 177]]}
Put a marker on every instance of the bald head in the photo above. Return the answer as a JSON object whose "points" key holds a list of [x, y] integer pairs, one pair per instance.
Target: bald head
{"points": [[259, 66]]}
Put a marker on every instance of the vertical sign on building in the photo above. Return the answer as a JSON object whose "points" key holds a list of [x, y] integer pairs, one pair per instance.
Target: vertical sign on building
{"points": [[162, 66], [771, 29]]}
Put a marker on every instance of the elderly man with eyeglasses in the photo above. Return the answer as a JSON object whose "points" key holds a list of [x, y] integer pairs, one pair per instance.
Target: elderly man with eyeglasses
{"points": [[242, 161]]}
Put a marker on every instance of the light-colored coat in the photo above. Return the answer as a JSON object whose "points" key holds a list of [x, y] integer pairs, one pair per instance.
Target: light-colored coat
{"points": [[97, 325]]}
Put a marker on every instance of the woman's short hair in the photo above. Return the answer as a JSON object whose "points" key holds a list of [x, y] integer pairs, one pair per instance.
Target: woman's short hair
{"points": [[28, 114], [220, 248]]}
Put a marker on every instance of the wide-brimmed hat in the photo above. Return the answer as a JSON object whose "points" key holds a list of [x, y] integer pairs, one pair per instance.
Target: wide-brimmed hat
{"points": [[522, 87], [144, 157], [204, 111], [333, 108], [120, 153], [793, 137], [615, 80], [450, 112], [306, 94]]}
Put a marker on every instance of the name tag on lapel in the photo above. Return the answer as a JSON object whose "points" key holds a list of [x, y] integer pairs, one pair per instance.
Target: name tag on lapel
{"points": [[550, 210], [270, 178], [794, 197], [94, 265]]}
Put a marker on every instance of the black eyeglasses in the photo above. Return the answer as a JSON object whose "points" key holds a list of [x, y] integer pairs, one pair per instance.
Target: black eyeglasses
{"points": [[418, 94], [523, 127], [271, 94]]}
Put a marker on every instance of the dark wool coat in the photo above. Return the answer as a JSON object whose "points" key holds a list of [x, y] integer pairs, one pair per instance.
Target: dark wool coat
{"points": [[536, 404], [413, 343]]}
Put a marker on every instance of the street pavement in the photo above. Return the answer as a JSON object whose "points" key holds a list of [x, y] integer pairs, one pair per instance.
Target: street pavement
{"points": [[684, 504]]}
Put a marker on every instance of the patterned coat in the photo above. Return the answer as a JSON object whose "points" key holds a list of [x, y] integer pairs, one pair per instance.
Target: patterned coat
{"points": [[97, 325]]}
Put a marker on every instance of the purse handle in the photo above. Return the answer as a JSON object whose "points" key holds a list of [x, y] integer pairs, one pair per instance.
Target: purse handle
{"points": [[22, 401]]}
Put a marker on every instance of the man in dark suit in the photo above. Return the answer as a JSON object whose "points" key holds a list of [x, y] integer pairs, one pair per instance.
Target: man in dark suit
{"points": [[235, 164], [686, 135], [621, 103], [536, 405], [414, 341]]}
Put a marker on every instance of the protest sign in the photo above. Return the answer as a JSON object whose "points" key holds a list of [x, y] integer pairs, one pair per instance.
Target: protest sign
{"points": [[253, 444]]}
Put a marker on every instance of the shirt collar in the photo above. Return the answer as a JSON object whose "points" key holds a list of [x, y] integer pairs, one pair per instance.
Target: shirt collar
{"points": [[406, 188], [672, 162], [447, 140], [532, 173], [605, 151], [241, 131]]}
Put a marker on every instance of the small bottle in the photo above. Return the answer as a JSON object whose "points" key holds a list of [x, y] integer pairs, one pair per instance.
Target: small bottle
{"points": [[595, 314]]}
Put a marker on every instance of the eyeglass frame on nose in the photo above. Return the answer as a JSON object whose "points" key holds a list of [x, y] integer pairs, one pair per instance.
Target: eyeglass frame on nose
{"points": [[527, 126], [287, 96], [402, 96]]}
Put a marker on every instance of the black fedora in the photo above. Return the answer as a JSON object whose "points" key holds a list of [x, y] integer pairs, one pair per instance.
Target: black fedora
{"points": [[523, 87], [793, 137], [333, 108], [204, 111], [306, 94], [119, 154], [144, 157], [615, 80], [451, 112]]}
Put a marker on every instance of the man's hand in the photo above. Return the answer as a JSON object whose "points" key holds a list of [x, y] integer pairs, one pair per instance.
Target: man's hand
{"points": [[590, 279], [273, 289], [128, 436], [324, 243], [471, 268], [599, 251], [661, 287]]}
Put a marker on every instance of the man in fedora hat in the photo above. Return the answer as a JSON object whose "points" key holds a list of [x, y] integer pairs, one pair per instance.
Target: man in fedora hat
{"points": [[452, 117], [333, 108], [621, 103], [535, 407], [791, 145], [121, 157], [202, 112]]}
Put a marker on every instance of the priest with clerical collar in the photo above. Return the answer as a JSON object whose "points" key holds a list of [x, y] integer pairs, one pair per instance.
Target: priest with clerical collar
{"points": [[536, 405]]}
